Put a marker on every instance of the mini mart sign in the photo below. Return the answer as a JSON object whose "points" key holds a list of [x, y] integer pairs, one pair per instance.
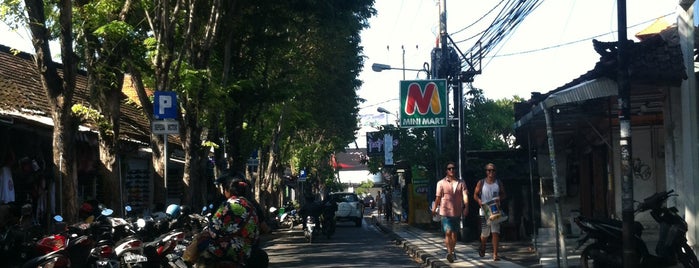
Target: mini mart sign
{"points": [[423, 103]]}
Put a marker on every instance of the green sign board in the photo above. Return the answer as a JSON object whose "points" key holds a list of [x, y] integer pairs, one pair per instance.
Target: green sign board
{"points": [[423, 103]]}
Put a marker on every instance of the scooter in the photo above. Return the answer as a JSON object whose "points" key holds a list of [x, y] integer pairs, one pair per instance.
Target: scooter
{"points": [[310, 229], [327, 219], [290, 216], [606, 250], [129, 247], [70, 247]]}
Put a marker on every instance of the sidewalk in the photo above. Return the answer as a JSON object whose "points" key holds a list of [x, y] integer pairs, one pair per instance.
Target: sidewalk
{"points": [[428, 247]]}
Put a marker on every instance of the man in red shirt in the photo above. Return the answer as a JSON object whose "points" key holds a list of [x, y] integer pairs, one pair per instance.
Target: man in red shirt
{"points": [[452, 201]]}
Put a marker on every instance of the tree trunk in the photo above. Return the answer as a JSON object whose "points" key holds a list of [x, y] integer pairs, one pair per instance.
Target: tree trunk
{"points": [[192, 166], [110, 183], [66, 171], [59, 91]]}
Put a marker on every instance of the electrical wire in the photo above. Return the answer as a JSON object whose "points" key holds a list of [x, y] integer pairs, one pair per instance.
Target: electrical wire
{"points": [[573, 42], [479, 19], [501, 28]]}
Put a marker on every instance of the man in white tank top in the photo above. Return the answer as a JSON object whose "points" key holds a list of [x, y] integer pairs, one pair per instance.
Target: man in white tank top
{"points": [[487, 190]]}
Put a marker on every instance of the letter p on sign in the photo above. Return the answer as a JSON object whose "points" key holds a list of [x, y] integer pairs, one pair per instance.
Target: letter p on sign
{"points": [[165, 105]]}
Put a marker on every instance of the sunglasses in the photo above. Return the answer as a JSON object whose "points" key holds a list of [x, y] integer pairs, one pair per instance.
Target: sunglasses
{"points": [[451, 168]]}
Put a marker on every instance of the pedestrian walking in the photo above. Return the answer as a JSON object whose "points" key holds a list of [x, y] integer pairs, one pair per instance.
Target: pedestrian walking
{"points": [[489, 191], [452, 201], [388, 204], [379, 202]]}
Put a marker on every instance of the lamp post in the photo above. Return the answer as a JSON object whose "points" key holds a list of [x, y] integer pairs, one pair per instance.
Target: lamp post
{"points": [[384, 111], [378, 67]]}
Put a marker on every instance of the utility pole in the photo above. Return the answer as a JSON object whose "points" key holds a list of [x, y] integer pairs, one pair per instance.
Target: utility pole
{"points": [[630, 258], [453, 81]]}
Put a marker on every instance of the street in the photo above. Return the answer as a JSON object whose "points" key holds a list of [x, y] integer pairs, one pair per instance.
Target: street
{"points": [[350, 246]]}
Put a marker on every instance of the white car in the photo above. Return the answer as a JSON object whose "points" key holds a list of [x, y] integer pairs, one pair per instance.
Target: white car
{"points": [[349, 207]]}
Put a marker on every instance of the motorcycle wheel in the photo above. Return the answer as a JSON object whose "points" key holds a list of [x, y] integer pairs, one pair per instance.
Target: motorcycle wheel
{"points": [[687, 257]]}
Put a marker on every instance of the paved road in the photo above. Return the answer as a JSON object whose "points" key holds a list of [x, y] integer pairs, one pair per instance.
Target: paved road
{"points": [[351, 246]]}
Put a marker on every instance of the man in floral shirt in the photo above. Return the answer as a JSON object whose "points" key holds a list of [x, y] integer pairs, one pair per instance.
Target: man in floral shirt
{"points": [[234, 227]]}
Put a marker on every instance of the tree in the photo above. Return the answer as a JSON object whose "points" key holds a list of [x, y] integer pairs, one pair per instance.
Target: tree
{"points": [[105, 38], [291, 81], [489, 124], [176, 58], [57, 80]]}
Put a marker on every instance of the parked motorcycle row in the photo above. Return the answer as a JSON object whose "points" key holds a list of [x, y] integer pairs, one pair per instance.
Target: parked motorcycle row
{"points": [[158, 240], [606, 249]]}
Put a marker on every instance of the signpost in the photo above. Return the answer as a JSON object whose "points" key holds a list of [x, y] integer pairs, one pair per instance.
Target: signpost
{"points": [[165, 112], [423, 103]]}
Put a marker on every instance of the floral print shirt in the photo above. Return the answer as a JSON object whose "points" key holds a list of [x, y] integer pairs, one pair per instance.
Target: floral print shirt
{"points": [[233, 229]]}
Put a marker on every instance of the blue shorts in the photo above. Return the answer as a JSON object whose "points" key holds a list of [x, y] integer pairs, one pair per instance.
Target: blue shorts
{"points": [[451, 224]]}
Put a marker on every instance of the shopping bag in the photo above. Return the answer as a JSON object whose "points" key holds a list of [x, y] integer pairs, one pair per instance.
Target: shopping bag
{"points": [[493, 213]]}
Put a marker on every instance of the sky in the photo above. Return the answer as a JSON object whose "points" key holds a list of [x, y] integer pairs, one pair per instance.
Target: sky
{"points": [[551, 47]]}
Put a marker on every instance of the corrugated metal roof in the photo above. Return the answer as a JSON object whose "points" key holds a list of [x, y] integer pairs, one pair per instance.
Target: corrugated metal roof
{"points": [[593, 89]]}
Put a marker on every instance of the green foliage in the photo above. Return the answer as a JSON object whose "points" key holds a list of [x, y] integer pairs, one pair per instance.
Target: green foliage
{"points": [[114, 30], [489, 123], [364, 187], [88, 114], [12, 13]]}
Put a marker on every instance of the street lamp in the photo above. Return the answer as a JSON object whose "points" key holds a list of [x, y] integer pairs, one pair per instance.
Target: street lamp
{"points": [[384, 111], [378, 67]]}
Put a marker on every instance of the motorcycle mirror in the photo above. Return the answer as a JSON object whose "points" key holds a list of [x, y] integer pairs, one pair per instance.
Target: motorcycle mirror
{"points": [[58, 218], [107, 212], [128, 208], [203, 209]]}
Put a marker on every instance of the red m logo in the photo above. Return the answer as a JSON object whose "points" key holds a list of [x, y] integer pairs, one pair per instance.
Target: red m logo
{"points": [[422, 101]]}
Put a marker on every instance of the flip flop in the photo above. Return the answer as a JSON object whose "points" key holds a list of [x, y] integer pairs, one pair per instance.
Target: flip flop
{"points": [[496, 258]]}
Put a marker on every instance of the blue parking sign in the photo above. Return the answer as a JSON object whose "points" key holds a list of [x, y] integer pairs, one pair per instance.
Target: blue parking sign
{"points": [[302, 175], [165, 105]]}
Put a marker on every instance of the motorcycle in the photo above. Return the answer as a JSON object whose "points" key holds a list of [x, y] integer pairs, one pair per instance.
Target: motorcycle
{"points": [[289, 217], [166, 249], [70, 247], [129, 247], [327, 219], [17, 241], [310, 229], [606, 250]]}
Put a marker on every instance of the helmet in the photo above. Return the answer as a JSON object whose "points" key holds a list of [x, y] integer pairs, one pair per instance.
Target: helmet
{"points": [[173, 210]]}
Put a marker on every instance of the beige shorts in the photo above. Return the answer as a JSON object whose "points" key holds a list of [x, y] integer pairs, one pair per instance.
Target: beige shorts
{"points": [[487, 228]]}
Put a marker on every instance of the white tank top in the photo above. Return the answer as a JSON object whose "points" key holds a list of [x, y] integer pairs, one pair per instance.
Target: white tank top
{"points": [[489, 191]]}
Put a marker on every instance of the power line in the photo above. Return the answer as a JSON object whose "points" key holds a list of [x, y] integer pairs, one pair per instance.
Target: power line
{"points": [[479, 19], [571, 42], [506, 21], [378, 103]]}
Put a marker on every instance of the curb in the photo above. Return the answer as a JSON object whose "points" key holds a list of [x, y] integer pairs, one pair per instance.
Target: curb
{"points": [[428, 260]]}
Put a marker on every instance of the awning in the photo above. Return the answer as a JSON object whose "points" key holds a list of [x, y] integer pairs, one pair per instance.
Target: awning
{"points": [[593, 89]]}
